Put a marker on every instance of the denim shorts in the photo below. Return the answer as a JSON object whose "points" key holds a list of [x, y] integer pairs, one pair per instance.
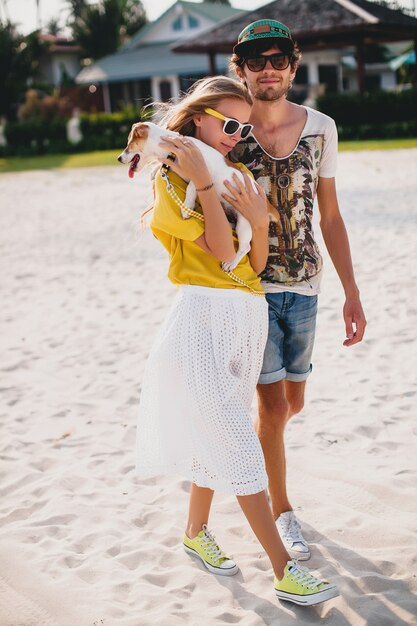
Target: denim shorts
{"points": [[292, 326]]}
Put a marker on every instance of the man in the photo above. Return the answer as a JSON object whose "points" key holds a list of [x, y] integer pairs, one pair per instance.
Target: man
{"points": [[292, 154]]}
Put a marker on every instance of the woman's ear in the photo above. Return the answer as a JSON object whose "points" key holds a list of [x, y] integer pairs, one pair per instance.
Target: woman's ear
{"points": [[197, 119]]}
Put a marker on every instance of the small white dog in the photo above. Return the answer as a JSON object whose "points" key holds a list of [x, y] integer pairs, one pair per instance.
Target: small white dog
{"points": [[143, 148]]}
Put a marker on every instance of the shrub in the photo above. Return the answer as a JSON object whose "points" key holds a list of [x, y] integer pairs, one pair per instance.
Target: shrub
{"points": [[394, 130], [101, 131], [46, 106], [376, 107]]}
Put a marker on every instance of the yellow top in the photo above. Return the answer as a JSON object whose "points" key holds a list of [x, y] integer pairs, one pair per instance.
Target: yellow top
{"points": [[190, 264]]}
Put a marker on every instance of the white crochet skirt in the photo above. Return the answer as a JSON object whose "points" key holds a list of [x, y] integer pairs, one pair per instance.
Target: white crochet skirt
{"points": [[198, 386]]}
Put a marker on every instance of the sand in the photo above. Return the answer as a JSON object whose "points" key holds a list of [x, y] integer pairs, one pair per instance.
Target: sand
{"points": [[85, 543]]}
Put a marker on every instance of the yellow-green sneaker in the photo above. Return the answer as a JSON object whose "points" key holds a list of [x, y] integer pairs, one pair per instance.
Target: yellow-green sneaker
{"points": [[298, 585], [206, 548]]}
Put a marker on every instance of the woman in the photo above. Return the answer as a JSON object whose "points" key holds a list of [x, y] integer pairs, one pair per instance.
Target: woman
{"points": [[202, 371]]}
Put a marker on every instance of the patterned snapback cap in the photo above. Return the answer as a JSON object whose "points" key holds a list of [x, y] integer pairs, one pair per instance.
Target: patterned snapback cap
{"points": [[264, 29]]}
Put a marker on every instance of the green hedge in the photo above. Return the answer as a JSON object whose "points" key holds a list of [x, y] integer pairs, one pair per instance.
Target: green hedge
{"points": [[100, 131], [105, 131], [374, 115], [35, 137], [394, 130], [376, 107]]}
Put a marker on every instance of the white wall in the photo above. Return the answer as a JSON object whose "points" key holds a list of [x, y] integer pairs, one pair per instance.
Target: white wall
{"points": [[388, 80], [51, 66]]}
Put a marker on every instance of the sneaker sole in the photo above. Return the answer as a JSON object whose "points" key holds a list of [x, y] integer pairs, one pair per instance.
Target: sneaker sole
{"points": [[315, 598], [230, 571]]}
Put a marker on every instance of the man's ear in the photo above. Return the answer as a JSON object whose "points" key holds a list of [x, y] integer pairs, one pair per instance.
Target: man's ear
{"points": [[293, 72], [240, 73]]}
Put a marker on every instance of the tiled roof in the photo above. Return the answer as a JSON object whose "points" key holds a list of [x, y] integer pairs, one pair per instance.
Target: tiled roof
{"points": [[304, 18], [145, 62]]}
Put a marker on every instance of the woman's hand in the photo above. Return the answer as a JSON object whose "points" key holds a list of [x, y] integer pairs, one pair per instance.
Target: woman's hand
{"points": [[243, 197], [189, 163]]}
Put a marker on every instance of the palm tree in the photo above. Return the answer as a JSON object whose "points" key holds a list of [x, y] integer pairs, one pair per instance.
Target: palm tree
{"points": [[19, 62], [100, 29], [52, 27]]}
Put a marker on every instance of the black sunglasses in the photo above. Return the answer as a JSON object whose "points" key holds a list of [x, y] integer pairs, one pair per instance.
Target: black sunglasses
{"points": [[279, 61]]}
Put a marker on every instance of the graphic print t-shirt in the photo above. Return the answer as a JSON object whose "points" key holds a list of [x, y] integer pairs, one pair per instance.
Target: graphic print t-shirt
{"points": [[294, 261]]}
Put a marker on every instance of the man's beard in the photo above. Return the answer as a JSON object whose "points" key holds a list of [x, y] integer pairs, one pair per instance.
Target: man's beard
{"points": [[272, 93]]}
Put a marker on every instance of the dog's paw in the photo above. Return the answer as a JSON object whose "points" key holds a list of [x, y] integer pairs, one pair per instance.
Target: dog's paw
{"points": [[230, 265], [185, 215]]}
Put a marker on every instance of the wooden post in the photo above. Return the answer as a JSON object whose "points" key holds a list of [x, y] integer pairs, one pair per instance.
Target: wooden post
{"points": [[106, 98], [212, 63], [360, 66]]}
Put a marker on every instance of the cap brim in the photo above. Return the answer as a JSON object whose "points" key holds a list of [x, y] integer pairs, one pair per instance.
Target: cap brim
{"points": [[284, 44]]}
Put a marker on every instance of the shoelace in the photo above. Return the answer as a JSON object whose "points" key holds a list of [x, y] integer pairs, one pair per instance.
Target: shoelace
{"points": [[208, 541], [295, 530], [302, 576], [292, 531]]}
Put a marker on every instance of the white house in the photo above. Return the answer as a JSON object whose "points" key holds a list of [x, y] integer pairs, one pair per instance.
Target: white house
{"points": [[147, 68], [61, 59]]}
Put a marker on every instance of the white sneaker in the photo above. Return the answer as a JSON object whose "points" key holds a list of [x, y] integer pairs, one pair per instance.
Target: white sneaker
{"points": [[290, 532]]}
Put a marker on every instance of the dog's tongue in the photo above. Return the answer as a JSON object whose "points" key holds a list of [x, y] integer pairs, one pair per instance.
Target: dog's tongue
{"points": [[133, 164]]}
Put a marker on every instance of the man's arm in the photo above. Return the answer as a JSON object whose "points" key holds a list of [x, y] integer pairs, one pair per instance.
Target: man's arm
{"points": [[337, 244]]}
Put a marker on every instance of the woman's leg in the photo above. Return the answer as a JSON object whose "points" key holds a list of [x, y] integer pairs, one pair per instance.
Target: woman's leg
{"points": [[259, 515], [199, 509]]}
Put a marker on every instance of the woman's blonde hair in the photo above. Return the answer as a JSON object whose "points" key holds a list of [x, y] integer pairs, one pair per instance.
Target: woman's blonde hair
{"points": [[205, 93]]}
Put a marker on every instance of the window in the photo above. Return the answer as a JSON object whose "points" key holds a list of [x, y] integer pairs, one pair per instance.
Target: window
{"points": [[177, 24], [328, 75], [165, 90], [301, 77], [187, 81], [192, 21]]}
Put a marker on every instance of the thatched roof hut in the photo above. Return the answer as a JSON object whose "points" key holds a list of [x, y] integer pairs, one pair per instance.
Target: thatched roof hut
{"points": [[315, 24]]}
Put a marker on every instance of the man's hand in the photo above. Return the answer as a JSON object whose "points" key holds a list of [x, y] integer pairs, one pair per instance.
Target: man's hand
{"points": [[251, 204], [354, 320]]}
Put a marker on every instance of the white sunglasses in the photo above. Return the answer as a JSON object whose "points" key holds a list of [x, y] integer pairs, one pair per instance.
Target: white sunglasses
{"points": [[231, 126]]}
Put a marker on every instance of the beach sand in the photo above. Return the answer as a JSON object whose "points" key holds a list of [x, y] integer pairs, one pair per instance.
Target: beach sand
{"points": [[83, 542]]}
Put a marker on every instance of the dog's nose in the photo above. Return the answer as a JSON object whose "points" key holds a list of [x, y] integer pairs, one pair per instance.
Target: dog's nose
{"points": [[119, 158]]}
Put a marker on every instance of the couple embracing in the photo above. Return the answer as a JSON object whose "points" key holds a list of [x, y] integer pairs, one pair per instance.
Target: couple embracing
{"points": [[226, 338]]}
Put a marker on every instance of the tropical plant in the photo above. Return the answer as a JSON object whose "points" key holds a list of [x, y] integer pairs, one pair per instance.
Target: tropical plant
{"points": [[19, 64], [101, 28], [45, 107], [53, 27]]}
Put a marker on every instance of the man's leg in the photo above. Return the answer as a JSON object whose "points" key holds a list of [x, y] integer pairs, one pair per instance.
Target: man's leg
{"points": [[295, 396], [281, 388], [277, 403]]}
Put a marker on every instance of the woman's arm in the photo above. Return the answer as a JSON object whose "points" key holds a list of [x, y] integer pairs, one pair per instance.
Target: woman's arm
{"points": [[243, 198], [189, 164]]}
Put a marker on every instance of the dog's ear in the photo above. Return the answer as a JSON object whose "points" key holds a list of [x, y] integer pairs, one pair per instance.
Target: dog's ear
{"points": [[140, 130]]}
